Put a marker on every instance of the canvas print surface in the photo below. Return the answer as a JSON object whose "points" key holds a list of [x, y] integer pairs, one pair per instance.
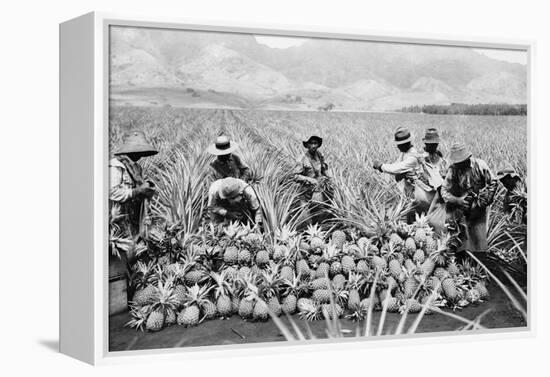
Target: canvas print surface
{"points": [[269, 189]]}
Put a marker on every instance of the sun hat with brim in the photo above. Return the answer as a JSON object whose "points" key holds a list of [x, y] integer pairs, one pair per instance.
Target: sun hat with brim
{"points": [[136, 143], [318, 139], [459, 153], [431, 136], [222, 146], [402, 136], [507, 170], [230, 188]]}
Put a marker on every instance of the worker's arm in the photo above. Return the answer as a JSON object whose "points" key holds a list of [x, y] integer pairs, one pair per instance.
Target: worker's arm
{"points": [[214, 205], [118, 190], [244, 170], [408, 165]]}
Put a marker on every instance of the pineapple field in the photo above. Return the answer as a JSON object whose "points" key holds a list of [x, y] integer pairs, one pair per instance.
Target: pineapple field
{"points": [[361, 271]]}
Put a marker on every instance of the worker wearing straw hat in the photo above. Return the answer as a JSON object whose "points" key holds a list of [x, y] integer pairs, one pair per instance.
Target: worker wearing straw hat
{"points": [[407, 172], [232, 199], [311, 173], [129, 190], [227, 163], [468, 191], [515, 198]]}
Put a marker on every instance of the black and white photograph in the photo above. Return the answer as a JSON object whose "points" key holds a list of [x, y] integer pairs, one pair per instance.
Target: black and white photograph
{"points": [[279, 188]]}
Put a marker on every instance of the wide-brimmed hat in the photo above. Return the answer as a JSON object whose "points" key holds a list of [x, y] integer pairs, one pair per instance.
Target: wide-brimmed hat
{"points": [[431, 136], [222, 146], [135, 142], [506, 170], [402, 136], [459, 153], [318, 139], [230, 188]]}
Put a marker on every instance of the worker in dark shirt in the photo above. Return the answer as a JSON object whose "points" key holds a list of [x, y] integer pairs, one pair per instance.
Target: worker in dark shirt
{"points": [[227, 164]]}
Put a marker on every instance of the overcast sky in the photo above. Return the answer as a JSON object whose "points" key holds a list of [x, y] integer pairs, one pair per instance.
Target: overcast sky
{"points": [[505, 55]]}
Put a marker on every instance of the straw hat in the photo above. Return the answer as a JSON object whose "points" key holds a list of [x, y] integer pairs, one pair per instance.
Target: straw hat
{"points": [[506, 170], [318, 139], [431, 136], [222, 146], [402, 136], [459, 153], [230, 188], [135, 142]]}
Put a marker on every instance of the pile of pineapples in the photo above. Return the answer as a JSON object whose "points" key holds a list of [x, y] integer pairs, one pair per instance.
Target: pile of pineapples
{"points": [[235, 270]]}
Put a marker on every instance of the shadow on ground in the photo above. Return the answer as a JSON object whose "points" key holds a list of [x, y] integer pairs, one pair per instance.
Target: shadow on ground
{"points": [[52, 345], [237, 331]]}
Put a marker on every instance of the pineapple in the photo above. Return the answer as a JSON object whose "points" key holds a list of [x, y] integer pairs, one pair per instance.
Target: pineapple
{"points": [[378, 263], [363, 244], [230, 255], [274, 306], [419, 257], [452, 267], [473, 296], [322, 270], [321, 296], [338, 239], [395, 268], [279, 252], [289, 304], [319, 283], [244, 271], [362, 267], [302, 268], [155, 321], [209, 309], [338, 282], [224, 306], [431, 245], [286, 273], [244, 257], [411, 305], [483, 291], [409, 265], [420, 236], [397, 241], [170, 317], [262, 258], [304, 303], [410, 245], [410, 286], [441, 273], [179, 292], [189, 316], [449, 289], [144, 296], [255, 270], [260, 311], [316, 237], [246, 308], [194, 276], [354, 298], [391, 304], [335, 268], [222, 293], [348, 264], [332, 311], [428, 266]]}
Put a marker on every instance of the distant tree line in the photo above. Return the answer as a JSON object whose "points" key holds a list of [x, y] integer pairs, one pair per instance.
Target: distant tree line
{"points": [[468, 109]]}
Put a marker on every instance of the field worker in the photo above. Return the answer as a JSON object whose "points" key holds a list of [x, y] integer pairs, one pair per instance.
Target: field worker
{"points": [[129, 190], [232, 199], [311, 173], [407, 172], [468, 190], [227, 164], [435, 168], [515, 198]]}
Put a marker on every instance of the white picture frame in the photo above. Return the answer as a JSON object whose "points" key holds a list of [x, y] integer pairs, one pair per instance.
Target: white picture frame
{"points": [[84, 176]]}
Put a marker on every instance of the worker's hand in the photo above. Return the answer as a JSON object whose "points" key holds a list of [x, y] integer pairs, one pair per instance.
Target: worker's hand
{"points": [[462, 202], [377, 165], [144, 191]]}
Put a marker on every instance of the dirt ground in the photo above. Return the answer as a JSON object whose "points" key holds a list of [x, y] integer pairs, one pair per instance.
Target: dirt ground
{"points": [[237, 331]]}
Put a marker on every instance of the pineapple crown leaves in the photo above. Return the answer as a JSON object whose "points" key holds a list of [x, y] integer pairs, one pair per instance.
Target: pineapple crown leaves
{"points": [[164, 296], [221, 283], [314, 231], [138, 316], [285, 234], [294, 286], [197, 295], [355, 281]]}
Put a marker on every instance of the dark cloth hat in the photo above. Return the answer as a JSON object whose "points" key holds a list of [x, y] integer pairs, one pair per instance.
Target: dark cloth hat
{"points": [[402, 136], [506, 170], [135, 143], [222, 146], [431, 136], [313, 138]]}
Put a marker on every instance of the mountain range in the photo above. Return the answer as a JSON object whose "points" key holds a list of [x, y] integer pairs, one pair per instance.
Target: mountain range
{"points": [[230, 70]]}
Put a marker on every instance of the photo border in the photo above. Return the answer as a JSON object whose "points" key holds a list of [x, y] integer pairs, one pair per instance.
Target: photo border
{"points": [[103, 21]]}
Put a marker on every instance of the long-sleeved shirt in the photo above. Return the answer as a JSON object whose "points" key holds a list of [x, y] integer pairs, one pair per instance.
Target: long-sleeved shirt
{"points": [[458, 183], [233, 166], [248, 202], [436, 168], [406, 166], [310, 166]]}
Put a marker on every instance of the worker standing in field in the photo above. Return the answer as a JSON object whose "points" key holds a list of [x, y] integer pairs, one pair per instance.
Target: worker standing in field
{"points": [[311, 173], [435, 168], [468, 191], [232, 199], [129, 189], [227, 164], [514, 203], [408, 172]]}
